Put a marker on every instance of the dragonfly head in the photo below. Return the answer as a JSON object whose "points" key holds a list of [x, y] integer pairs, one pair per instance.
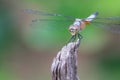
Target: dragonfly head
{"points": [[74, 29]]}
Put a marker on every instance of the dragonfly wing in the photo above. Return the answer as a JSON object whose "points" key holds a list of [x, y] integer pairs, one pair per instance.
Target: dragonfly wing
{"points": [[51, 24], [37, 12], [112, 23], [55, 20]]}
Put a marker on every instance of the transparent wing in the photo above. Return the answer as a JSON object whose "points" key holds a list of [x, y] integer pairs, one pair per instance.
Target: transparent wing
{"points": [[36, 12], [42, 17], [45, 19], [51, 20], [52, 24], [111, 23]]}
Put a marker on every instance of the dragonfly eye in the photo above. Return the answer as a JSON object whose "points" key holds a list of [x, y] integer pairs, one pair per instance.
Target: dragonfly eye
{"points": [[72, 30]]}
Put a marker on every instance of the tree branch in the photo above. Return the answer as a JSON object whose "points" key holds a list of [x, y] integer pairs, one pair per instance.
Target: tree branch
{"points": [[64, 66]]}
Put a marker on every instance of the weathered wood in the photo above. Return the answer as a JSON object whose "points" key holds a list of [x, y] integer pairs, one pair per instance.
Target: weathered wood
{"points": [[64, 66]]}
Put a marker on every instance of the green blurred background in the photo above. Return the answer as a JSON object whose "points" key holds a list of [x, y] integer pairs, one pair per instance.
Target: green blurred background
{"points": [[27, 49]]}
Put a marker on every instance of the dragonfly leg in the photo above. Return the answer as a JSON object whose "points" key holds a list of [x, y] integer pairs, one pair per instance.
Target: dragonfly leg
{"points": [[72, 38], [80, 36]]}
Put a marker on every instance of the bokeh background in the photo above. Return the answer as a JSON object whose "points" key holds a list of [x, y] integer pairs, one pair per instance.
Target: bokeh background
{"points": [[27, 48]]}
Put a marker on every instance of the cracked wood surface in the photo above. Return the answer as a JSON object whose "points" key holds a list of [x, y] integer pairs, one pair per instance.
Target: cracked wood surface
{"points": [[64, 66]]}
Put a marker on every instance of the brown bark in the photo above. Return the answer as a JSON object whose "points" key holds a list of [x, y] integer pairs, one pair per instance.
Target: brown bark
{"points": [[64, 66]]}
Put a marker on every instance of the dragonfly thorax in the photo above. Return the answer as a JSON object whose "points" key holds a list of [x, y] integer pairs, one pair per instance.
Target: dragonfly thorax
{"points": [[77, 22]]}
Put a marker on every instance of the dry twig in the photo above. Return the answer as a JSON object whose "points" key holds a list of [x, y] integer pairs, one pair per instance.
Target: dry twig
{"points": [[64, 66]]}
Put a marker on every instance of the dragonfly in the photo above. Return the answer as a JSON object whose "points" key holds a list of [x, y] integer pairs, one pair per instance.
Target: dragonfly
{"points": [[110, 23]]}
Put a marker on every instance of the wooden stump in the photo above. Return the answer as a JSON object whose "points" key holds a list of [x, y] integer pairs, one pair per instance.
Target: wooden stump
{"points": [[64, 66]]}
